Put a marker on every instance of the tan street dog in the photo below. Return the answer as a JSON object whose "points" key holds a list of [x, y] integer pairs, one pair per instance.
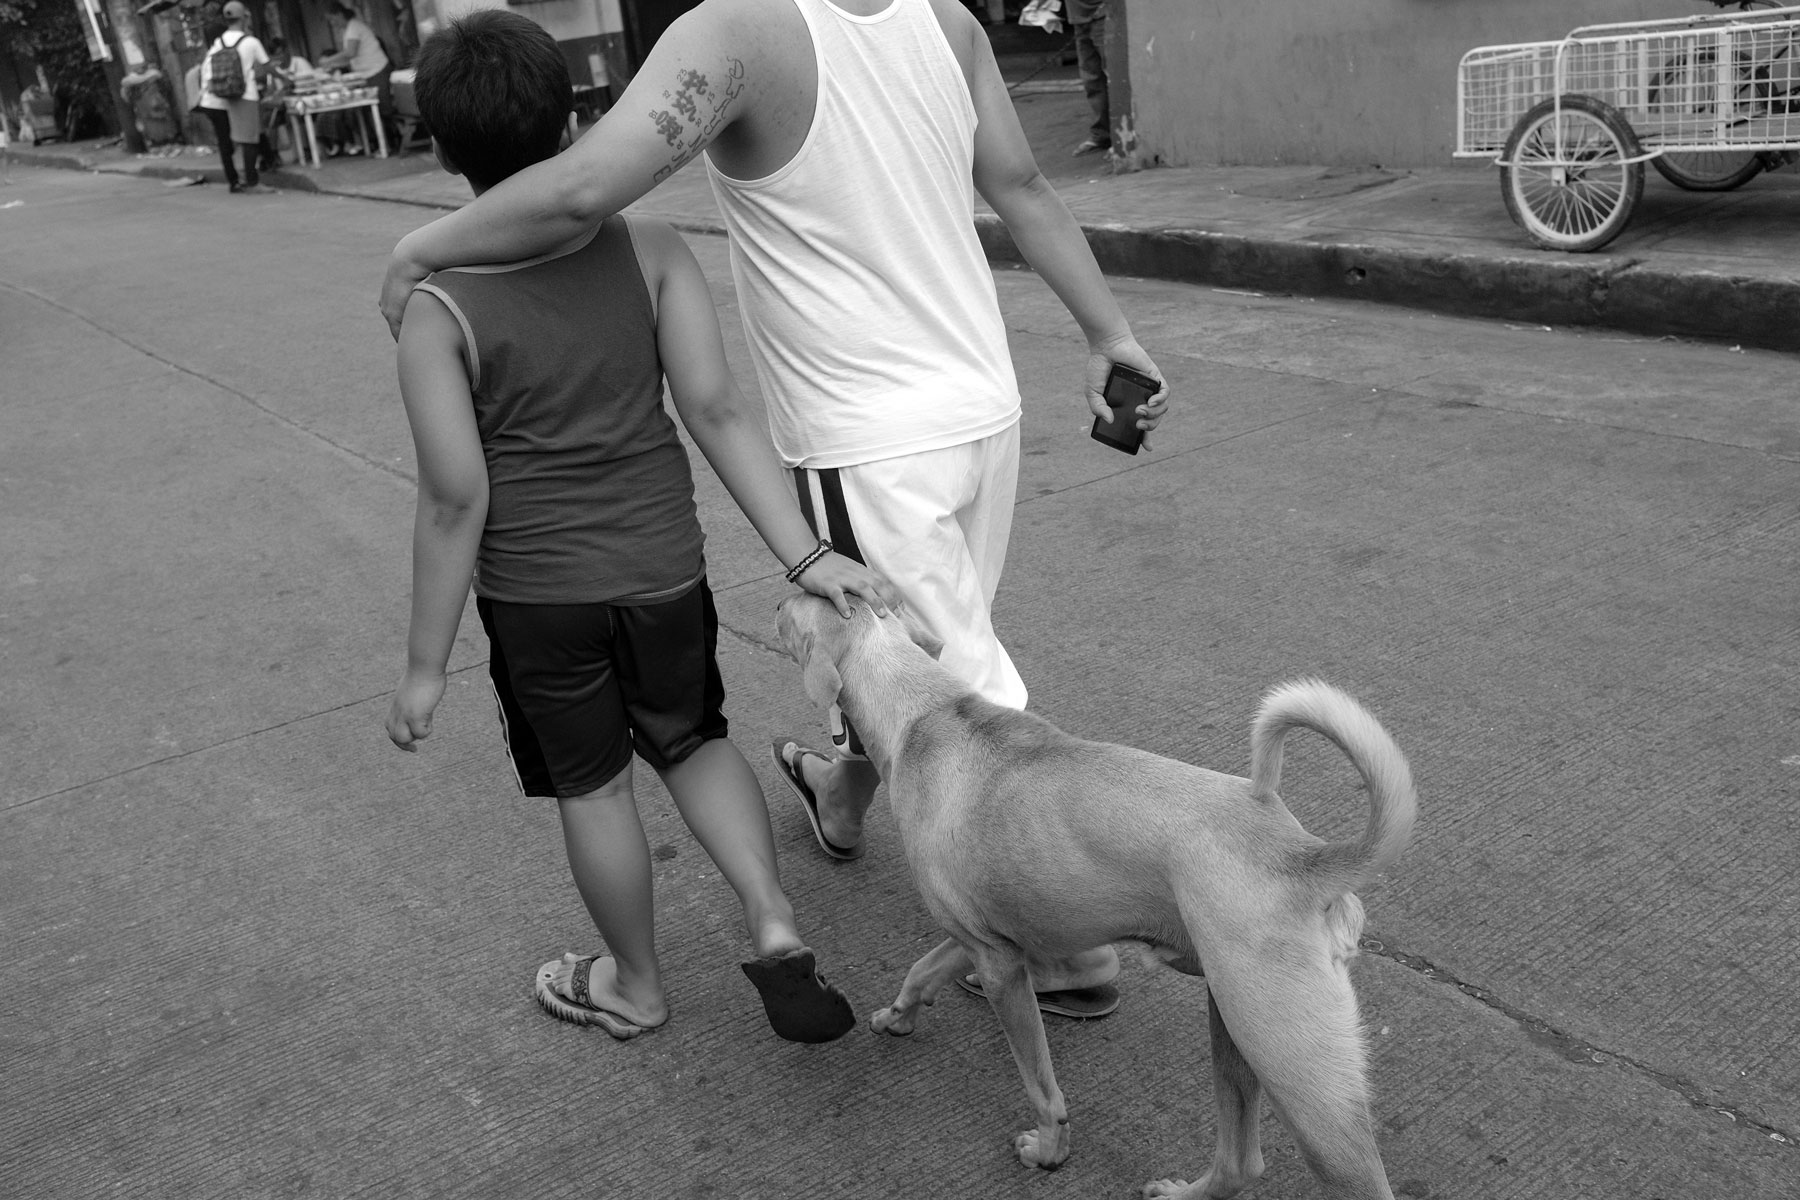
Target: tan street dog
{"points": [[1023, 838]]}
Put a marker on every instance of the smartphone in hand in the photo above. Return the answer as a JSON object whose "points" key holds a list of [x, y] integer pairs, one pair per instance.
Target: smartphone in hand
{"points": [[1125, 390]]}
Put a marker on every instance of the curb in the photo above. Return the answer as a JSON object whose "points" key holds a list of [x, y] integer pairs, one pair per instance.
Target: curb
{"points": [[1576, 291], [155, 169], [35, 158], [1610, 294]]}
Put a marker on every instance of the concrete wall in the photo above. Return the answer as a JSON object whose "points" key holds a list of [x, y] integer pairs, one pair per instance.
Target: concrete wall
{"points": [[591, 32], [1340, 82], [430, 14], [565, 20]]}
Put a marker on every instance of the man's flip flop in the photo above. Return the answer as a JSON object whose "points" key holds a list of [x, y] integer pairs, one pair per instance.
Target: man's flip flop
{"points": [[790, 771], [580, 1009], [800, 1005], [1083, 1004]]}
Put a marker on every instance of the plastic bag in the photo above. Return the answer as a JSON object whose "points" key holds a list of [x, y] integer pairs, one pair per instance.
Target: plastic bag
{"points": [[1045, 14]]}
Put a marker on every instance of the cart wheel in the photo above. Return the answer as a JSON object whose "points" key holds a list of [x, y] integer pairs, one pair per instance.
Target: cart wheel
{"points": [[1568, 182], [1709, 170]]}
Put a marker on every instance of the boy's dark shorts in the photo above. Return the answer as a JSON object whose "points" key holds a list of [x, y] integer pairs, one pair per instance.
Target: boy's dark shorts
{"points": [[581, 686]]}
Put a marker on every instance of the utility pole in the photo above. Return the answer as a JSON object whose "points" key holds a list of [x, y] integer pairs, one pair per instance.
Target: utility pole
{"points": [[107, 44]]}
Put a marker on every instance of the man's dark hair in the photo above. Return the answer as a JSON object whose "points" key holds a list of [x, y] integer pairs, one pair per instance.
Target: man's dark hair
{"points": [[495, 93]]}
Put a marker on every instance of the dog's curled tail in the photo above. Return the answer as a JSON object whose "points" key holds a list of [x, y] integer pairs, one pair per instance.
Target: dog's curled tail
{"points": [[1316, 705]]}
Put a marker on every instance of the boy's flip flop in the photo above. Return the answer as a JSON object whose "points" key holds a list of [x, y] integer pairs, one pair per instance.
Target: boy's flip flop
{"points": [[580, 1009], [800, 1005], [1083, 1004], [790, 771]]}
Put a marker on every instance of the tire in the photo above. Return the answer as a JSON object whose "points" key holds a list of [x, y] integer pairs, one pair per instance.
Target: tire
{"points": [[1709, 170], [1582, 201]]}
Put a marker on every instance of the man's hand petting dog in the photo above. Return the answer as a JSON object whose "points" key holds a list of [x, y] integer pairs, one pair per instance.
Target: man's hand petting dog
{"points": [[838, 579]]}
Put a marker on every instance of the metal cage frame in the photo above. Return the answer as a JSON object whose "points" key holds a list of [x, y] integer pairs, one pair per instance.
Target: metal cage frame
{"points": [[1663, 77]]}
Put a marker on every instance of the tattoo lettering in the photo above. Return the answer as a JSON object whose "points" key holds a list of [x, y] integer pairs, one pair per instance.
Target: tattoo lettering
{"points": [[687, 100], [668, 126], [696, 111]]}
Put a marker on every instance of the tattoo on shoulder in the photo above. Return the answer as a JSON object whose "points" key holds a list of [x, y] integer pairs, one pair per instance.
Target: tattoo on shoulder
{"points": [[697, 105]]}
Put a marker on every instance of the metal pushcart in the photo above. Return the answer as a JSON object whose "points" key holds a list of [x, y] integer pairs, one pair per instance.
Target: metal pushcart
{"points": [[1708, 100]]}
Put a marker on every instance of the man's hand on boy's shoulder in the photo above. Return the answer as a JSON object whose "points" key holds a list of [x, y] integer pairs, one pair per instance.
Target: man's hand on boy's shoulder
{"points": [[409, 716], [397, 288]]}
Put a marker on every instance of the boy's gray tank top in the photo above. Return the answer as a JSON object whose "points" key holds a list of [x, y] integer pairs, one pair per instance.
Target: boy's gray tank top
{"points": [[590, 497]]}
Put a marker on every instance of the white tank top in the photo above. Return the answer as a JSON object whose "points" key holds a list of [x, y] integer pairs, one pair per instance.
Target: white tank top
{"points": [[867, 301]]}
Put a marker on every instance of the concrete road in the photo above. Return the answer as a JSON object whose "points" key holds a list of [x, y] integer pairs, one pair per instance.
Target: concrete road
{"points": [[252, 951]]}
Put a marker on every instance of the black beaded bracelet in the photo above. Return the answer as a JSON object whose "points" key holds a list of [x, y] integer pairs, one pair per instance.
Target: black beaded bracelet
{"points": [[799, 568]]}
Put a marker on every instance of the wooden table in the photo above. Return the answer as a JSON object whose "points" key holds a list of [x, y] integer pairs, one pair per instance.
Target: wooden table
{"points": [[313, 106]]}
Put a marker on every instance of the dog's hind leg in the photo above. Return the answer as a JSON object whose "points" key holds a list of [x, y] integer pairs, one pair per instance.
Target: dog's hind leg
{"points": [[1291, 1011], [1007, 983], [1237, 1094], [941, 964]]}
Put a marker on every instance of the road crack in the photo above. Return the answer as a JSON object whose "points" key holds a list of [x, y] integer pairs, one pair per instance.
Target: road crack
{"points": [[1575, 1049], [235, 738], [203, 377]]}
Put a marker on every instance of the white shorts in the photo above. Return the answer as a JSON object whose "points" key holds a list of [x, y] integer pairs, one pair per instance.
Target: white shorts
{"points": [[936, 524]]}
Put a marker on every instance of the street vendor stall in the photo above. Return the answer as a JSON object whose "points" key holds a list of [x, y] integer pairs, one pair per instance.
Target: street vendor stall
{"points": [[314, 96]]}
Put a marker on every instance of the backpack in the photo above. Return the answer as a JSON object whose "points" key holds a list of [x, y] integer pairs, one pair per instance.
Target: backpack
{"points": [[225, 70]]}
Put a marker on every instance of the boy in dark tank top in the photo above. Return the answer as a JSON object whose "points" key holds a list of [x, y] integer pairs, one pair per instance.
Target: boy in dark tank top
{"points": [[551, 477]]}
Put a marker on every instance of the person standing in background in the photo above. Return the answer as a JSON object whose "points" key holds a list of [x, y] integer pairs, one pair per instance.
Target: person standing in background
{"points": [[360, 52], [1088, 19], [277, 85]]}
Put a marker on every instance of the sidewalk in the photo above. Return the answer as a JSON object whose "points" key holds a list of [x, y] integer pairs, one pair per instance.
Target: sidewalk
{"points": [[1711, 265]]}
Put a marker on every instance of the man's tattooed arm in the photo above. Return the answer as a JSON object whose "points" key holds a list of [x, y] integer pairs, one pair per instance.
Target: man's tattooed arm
{"points": [[697, 107]]}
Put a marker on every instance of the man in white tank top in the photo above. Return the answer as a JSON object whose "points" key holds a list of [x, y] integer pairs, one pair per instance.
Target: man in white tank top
{"points": [[845, 140]]}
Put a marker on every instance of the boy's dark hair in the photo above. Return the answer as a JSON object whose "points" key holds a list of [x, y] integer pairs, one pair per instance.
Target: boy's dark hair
{"points": [[494, 91]]}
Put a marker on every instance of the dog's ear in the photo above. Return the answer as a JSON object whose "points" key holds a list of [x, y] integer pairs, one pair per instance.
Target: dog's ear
{"points": [[818, 675], [922, 637]]}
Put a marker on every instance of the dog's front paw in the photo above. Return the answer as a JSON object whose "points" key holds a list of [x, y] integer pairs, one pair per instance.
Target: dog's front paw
{"points": [[1162, 1189], [1037, 1150], [892, 1020]]}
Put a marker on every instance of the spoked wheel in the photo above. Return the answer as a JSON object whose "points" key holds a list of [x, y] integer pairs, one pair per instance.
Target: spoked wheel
{"points": [[1568, 179], [1709, 170]]}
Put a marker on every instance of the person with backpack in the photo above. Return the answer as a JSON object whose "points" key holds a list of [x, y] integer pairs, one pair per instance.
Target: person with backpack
{"points": [[233, 68]]}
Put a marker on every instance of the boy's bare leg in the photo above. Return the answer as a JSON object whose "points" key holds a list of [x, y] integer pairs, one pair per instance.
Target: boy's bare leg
{"points": [[610, 860], [845, 788], [718, 796], [723, 805]]}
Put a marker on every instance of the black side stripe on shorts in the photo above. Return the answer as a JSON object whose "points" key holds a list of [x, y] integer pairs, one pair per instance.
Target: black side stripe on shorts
{"points": [[803, 489], [837, 517]]}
